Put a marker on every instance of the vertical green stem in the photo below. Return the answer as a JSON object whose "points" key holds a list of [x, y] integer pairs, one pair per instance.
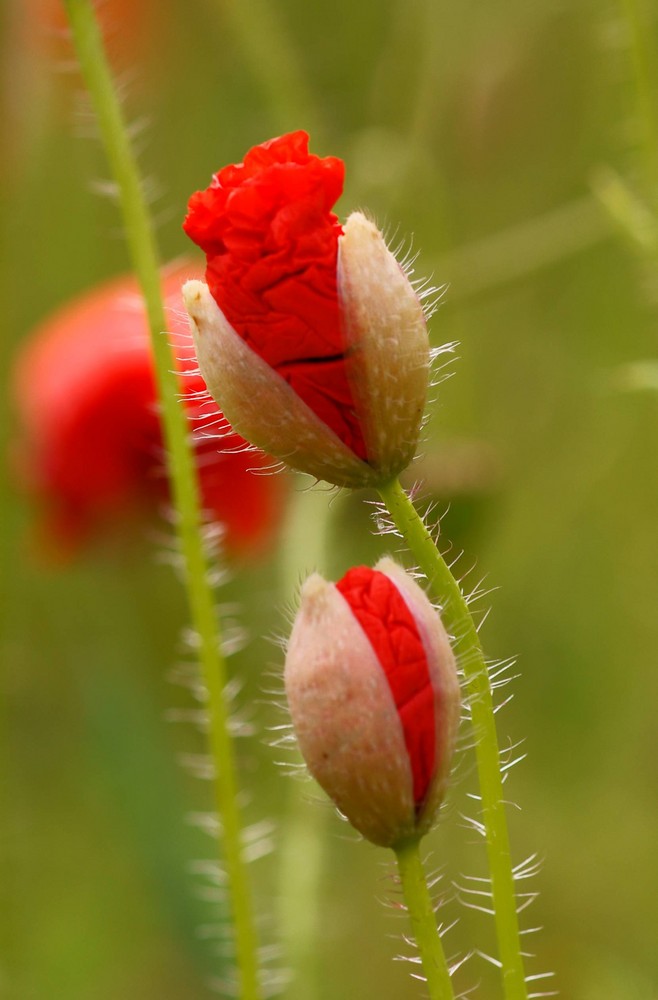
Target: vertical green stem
{"points": [[645, 73], [466, 644], [182, 473], [302, 856], [273, 60], [423, 921]]}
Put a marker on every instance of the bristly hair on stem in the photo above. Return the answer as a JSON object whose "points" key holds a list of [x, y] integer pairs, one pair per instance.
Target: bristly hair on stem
{"points": [[188, 521], [459, 622], [427, 937]]}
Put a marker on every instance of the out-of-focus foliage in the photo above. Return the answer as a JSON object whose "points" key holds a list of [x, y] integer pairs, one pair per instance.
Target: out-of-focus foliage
{"points": [[473, 132]]}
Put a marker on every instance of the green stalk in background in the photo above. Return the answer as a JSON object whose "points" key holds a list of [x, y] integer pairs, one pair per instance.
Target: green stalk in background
{"points": [[466, 644], [182, 474], [633, 204], [641, 39], [260, 33], [303, 852]]}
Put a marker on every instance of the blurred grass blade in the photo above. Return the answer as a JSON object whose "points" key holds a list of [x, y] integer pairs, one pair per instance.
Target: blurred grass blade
{"points": [[628, 211], [273, 62]]}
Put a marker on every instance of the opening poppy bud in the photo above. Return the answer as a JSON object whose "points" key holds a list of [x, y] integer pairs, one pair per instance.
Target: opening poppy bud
{"points": [[372, 687], [309, 335]]}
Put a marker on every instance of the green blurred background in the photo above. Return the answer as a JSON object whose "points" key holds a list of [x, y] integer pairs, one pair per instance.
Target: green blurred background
{"points": [[475, 133]]}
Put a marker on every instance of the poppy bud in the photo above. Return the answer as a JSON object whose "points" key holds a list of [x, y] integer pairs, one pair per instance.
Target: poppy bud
{"points": [[372, 687], [308, 334]]}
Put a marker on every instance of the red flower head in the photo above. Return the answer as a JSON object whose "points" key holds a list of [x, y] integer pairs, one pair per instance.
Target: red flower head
{"points": [[91, 447], [374, 698], [308, 333]]}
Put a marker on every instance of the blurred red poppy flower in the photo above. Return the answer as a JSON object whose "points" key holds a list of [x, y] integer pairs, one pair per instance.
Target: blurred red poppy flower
{"points": [[316, 318], [90, 445]]}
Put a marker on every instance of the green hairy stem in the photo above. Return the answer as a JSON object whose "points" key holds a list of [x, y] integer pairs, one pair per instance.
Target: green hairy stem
{"points": [[182, 474], [466, 644], [423, 922]]}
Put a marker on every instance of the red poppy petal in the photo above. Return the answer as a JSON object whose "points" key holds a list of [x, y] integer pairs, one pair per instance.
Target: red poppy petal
{"points": [[271, 242], [393, 633]]}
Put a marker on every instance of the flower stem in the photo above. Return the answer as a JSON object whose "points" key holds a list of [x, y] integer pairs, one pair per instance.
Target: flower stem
{"points": [[637, 16], [273, 60], [423, 922], [466, 644], [305, 546], [182, 474]]}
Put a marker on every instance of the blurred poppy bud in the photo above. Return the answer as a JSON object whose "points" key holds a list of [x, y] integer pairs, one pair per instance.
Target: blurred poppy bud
{"points": [[89, 446], [372, 687], [309, 334]]}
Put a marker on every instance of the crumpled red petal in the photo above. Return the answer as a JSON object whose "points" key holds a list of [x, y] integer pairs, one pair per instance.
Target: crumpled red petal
{"points": [[393, 633], [271, 242]]}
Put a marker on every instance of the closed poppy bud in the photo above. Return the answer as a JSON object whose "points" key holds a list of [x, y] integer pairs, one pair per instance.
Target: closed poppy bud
{"points": [[89, 445], [309, 334], [372, 687]]}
